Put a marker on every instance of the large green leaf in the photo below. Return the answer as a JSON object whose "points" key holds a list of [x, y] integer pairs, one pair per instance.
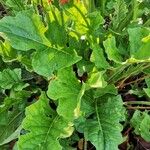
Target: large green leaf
{"points": [[144, 50], [105, 130], [121, 10], [98, 57], [25, 31], [52, 59], [138, 45], [141, 123], [111, 49], [69, 91], [44, 127], [96, 20]]}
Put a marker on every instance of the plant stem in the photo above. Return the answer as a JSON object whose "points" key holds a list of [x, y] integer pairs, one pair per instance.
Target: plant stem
{"points": [[62, 18], [102, 6], [135, 9], [134, 72], [137, 103], [85, 144], [118, 71], [135, 81], [138, 107]]}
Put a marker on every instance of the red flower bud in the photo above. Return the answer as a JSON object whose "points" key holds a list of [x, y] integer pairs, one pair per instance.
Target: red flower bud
{"points": [[62, 2], [50, 1]]}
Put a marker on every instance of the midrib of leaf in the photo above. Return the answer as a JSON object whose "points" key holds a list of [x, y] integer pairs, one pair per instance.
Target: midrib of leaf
{"points": [[38, 42], [99, 122], [25, 37], [59, 51], [56, 118], [25, 31]]}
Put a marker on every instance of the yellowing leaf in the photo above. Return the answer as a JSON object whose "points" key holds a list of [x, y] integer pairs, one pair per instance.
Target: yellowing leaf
{"points": [[7, 52], [96, 80], [69, 91]]}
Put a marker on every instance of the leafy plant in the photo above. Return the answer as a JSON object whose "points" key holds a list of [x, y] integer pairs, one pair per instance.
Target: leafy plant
{"points": [[74, 74]]}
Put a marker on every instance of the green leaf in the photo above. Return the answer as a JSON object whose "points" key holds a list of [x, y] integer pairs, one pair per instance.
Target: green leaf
{"points": [[147, 80], [112, 50], [147, 91], [135, 37], [144, 52], [136, 121], [95, 19], [96, 80], [137, 92], [13, 136], [141, 123], [44, 127], [11, 114], [104, 132], [121, 10], [145, 127], [25, 31], [77, 16], [69, 91], [52, 59], [10, 78], [56, 34], [16, 5], [84, 66], [26, 60], [109, 89], [7, 52], [98, 57]]}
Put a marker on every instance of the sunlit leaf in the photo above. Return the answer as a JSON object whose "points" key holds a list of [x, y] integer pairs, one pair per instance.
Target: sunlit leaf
{"points": [[25, 31], [69, 96], [44, 127]]}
